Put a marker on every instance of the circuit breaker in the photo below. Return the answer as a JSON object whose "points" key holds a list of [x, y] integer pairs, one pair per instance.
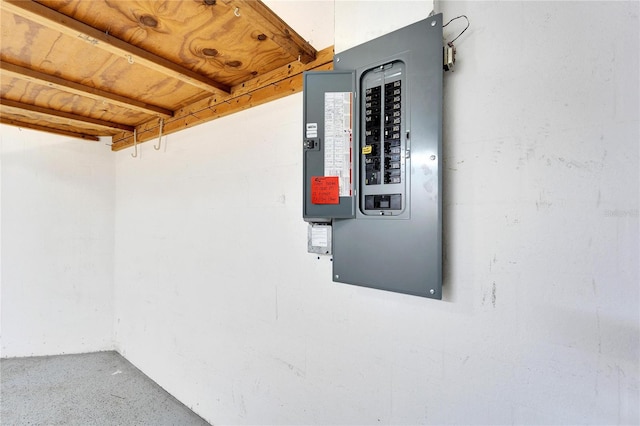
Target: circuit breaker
{"points": [[383, 143], [372, 160]]}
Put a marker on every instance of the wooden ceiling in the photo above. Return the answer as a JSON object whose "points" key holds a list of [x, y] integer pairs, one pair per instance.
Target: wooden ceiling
{"points": [[90, 68]]}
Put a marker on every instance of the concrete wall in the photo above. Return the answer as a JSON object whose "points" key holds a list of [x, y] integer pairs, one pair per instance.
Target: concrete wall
{"points": [[218, 301], [58, 210]]}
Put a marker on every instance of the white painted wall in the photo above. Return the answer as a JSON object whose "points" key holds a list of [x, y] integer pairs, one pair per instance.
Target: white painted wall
{"points": [[358, 21], [57, 225], [218, 301]]}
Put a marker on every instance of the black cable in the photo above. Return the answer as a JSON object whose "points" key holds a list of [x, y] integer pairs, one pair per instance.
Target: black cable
{"points": [[462, 32]]}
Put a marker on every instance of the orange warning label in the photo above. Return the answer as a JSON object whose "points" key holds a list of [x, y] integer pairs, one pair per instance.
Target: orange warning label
{"points": [[325, 190]]}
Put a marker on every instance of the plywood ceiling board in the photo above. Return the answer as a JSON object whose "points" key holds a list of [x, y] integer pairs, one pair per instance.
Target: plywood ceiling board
{"points": [[56, 131], [8, 70], [69, 26], [88, 68], [34, 46], [278, 83], [207, 38], [46, 121], [28, 93]]}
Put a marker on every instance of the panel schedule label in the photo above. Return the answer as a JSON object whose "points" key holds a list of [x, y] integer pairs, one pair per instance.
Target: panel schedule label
{"points": [[338, 138]]}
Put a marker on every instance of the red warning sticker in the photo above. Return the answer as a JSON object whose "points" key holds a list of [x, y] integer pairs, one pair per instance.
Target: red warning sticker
{"points": [[325, 190]]}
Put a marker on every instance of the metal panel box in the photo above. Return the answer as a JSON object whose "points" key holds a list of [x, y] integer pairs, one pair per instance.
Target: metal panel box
{"points": [[388, 235]]}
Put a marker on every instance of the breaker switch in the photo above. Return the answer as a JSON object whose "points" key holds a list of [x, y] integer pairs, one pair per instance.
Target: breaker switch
{"points": [[383, 202]]}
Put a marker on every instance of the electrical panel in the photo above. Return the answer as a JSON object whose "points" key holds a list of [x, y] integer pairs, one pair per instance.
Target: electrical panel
{"points": [[372, 160]]}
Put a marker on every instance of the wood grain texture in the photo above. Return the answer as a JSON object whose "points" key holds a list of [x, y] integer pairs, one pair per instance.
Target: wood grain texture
{"points": [[279, 83], [102, 40], [51, 81], [42, 49], [56, 114], [208, 39], [55, 131], [28, 93], [10, 113], [89, 67], [284, 36]]}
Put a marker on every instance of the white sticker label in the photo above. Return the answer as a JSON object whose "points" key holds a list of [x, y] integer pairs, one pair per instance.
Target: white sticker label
{"points": [[337, 134], [312, 130], [320, 236]]}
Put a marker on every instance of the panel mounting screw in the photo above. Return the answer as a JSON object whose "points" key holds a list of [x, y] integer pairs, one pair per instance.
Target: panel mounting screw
{"points": [[337, 276], [433, 157], [433, 23], [432, 291], [338, 59]]}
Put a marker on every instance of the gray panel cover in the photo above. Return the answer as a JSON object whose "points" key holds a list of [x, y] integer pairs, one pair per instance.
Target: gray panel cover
{"points": [[316, 84], [401, 254]]}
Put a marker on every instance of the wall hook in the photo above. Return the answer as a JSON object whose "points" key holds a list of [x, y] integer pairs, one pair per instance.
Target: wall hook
{"points": [[157, 148], [237, 12], [135, 143]]}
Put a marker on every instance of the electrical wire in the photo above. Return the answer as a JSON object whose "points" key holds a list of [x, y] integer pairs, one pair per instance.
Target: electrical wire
{"points": [[462, 32]]}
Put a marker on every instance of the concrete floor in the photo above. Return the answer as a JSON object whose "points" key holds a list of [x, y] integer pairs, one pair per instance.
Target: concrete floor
{"points": [[99, 388]]}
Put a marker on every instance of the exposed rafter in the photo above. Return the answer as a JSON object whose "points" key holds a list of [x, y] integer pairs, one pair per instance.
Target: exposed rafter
{"points": [[52, 81], [98, 39], [273, 85], [6, 103], [48, 129], [106, 68]]}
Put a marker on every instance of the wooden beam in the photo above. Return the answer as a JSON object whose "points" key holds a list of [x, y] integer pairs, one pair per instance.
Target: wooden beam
{"points": [[64, 115], [98, 39], [256, 12], [54, 82], [48, 129], [271, 86]]}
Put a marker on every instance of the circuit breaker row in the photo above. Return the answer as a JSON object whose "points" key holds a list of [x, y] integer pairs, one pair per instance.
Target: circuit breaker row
{"points": [[385, 169], [371, 150], [392, 124]]}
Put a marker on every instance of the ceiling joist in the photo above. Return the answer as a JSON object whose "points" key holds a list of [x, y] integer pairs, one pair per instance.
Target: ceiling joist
{"points": [[48, 129], [109, 68], [273, 85], [15, 71], [19, 106], [64, 24]]}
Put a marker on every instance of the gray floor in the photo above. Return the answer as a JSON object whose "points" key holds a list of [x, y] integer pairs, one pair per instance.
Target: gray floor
{"points": [[100, 388]]}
